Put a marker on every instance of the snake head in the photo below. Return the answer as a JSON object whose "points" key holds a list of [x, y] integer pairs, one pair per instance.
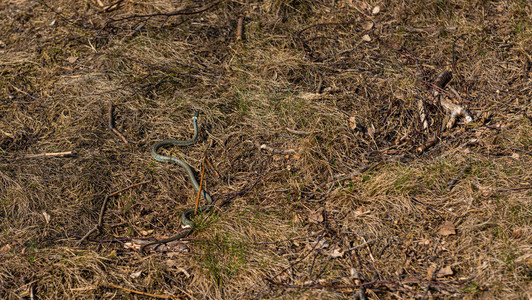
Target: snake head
{"points": [[196, 115]]}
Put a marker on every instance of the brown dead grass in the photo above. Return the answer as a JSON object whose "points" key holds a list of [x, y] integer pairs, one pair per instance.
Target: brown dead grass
{"points": [[287, 222]]}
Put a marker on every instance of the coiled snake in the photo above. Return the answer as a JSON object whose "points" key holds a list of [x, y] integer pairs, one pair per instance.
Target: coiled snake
{"points": [[185, 217]]}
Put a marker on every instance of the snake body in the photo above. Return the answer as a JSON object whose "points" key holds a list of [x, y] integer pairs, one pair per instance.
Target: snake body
{"points": [[185, 217]]}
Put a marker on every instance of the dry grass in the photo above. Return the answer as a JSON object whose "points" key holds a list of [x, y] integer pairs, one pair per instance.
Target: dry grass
{"points": [[286, 225]]}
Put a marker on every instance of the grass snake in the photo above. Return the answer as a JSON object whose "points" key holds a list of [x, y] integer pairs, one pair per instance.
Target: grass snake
{"points": [[185, 217]]}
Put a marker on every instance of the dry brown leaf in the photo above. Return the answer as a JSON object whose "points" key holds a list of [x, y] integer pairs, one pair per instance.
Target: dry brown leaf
{"points": [[46, 217], [112, 254], [135, 274], [446, 271], [72, 59], [146, 232], [371, 131], [367, 26], [316, 217], [352, 123], [430, 272], [336, 253], [447, 228], [376, 10], [366, 38], [321, 244], [174, 264]]}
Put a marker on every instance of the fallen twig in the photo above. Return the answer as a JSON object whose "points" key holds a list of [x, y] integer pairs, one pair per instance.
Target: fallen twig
{"points": [[182, 12], [515, 189], [113, 6], [112, 123], [320, 85], [50, 154], [240, 28], [361, 293], [145, 294], [277, 151], [297, 132], [427, 145], [99, 226], [212, 168], [451, 183], [200, 185], [521, 150], [454, 109], [245, 190], [362, 245], [455, 70]]}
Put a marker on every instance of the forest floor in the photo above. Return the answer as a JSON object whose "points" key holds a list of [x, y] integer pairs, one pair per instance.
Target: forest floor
{"points": [[325, 139]]}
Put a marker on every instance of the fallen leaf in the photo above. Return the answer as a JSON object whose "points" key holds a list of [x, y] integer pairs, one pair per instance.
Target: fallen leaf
{"points": [[515, 156], [316, 217], [446, 229], [371, 131], [146, 232], [352, 123], [72, 59], [135, 244], [310, 96], [376, 10], [170, 263], [321, 244], [446, 271], [367, 26], [354, 273], [135, 274], [46, 217], [366, 38], [336, 253], [176, 247]]}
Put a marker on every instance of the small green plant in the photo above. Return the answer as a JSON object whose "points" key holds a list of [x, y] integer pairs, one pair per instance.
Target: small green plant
{"points": [[223, 257]]}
